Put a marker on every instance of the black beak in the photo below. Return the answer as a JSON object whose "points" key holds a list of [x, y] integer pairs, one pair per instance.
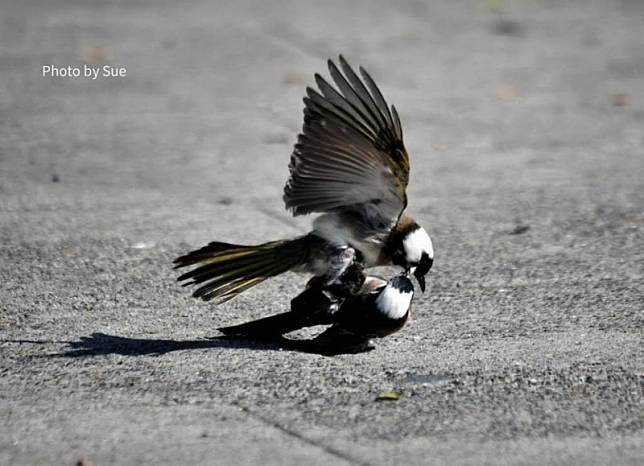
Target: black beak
{"points": [[421, 280]]}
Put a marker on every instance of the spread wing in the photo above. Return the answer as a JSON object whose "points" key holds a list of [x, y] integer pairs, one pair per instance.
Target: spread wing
{"points": [[350, 155]]}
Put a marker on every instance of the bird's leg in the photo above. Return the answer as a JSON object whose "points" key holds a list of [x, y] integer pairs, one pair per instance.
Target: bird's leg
{"points": [[321, 298], [350, 282], [347, 284], [345, 274], [340, 258]]}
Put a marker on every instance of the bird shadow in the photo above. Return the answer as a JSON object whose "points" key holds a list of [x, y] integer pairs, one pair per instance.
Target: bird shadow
{"points": [[102, 344]]}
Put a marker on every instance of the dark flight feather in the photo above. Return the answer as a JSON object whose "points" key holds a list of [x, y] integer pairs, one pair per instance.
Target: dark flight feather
{"points": [[350, 154]]}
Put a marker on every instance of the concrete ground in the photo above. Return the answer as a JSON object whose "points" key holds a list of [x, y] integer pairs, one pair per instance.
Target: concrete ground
{"points": [[525, 124]]}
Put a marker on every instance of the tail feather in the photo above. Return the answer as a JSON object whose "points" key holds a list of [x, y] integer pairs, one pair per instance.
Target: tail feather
{"points": [[229, 284], [272, 326], [226, 266], [225, 269], [198, 255]]}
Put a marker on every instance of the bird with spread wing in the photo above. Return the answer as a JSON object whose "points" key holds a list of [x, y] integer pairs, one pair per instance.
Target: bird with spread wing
{"points": [[350, 165]]}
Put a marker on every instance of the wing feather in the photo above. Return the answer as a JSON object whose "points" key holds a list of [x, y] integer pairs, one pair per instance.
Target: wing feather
{"points": [[383, 108], [350, 154], [397, 124], [351, 95]]}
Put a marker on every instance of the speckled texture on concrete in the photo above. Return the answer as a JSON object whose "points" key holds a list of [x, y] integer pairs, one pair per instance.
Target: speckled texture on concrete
{"points": [[525, 124]]}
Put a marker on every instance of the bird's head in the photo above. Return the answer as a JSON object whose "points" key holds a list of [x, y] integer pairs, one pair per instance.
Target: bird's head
{"points": [[395, 298], [413, 250]]}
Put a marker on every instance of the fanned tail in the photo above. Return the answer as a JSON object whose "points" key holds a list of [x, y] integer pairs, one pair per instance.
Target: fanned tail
{"points": [[229, 269]]}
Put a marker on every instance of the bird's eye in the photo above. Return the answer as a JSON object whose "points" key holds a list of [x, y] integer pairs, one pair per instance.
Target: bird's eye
{"points": [[398, 258]]}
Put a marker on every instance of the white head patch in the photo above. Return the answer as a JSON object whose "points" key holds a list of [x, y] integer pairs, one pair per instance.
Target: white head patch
{"points": [[393, 302], [417, 242]]}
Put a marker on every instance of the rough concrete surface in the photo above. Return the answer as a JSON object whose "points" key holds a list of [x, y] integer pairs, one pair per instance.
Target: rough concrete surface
{"points": [[525, 124]]}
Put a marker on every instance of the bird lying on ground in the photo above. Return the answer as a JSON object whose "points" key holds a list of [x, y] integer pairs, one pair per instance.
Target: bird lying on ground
{"points": [[380, 308], [350, 164]]}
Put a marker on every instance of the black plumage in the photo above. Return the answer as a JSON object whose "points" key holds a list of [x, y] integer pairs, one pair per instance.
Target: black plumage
{"points": [[350, 165], [353, 321]]}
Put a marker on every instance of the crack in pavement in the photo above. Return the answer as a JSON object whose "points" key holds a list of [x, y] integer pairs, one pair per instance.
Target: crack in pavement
{"points": [[292, 433]]}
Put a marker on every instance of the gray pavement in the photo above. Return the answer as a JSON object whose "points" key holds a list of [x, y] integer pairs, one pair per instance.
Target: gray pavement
{"points": [[525, 124]]}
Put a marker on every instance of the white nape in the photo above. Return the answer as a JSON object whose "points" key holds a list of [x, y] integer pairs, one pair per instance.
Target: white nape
{"points": [[393, 302], [417, 242]]}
